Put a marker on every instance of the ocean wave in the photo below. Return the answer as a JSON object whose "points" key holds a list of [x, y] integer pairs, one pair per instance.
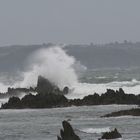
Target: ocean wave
{"points": [[95, 130], [80, 90], [57, 66], [100, 77]]}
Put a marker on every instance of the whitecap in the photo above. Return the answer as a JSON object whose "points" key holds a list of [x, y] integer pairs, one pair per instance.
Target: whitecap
{"points": [[95, 130]]}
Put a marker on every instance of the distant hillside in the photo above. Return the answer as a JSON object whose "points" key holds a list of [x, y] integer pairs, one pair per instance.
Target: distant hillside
{"points": [[107, 56], [120, 55]]}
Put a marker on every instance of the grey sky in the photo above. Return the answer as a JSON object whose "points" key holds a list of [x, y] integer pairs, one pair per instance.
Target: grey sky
{"points": [[68, 21]]}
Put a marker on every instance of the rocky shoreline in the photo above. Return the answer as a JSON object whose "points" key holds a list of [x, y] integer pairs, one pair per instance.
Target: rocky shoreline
{"points": [[48, 95]]}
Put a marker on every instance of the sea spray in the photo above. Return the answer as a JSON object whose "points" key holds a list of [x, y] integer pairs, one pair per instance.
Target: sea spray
{"points": [[60, 68], [52, 63], [3, 87]]}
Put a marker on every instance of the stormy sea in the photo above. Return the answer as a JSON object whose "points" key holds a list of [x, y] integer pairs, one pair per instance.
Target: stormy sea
{"points": [[85, 69]]}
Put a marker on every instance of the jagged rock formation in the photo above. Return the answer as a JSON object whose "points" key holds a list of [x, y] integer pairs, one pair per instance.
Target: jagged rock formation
{"points": [[67, 133], [36, 101], [57, 99], [44, 86], [132, 112], [110, 97], [111, 135], [49, 95]]}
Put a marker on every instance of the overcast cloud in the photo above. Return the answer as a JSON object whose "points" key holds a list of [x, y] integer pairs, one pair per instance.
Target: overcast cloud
{"points": [[68, 21]]}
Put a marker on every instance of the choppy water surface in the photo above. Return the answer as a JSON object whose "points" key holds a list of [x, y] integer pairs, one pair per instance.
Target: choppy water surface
{"points": [[45, 124]]}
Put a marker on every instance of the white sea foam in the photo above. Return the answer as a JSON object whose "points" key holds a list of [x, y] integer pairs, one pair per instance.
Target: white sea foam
{"points": [[82, 89], [95, 130], [101, 77], [22, 94], [4, 100], [58, 67], [53, 64], [3, 87]]}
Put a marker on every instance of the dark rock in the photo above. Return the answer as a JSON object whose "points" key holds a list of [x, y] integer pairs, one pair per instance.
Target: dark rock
{"points": [[65, 90], [67, 133], [121, 91], [132, 112], [109, 97], [44, 86], [13, 103], [49, 95], [111, 135], [36, 101]]}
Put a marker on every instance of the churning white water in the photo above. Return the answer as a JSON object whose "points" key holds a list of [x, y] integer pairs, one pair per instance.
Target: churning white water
{"points": [[57, 66], [53, 64], [83, 89], [96, 130]]}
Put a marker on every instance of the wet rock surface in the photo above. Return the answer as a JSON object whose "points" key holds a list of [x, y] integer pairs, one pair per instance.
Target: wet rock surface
{"points": [[111, 135], [49, 95], [36, 101], [131, 112], [67, 133]]}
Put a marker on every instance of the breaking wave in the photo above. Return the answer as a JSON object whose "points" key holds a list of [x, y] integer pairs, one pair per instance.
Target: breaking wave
{"points": [[82, 89], [57, 66], [52, 63]]}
